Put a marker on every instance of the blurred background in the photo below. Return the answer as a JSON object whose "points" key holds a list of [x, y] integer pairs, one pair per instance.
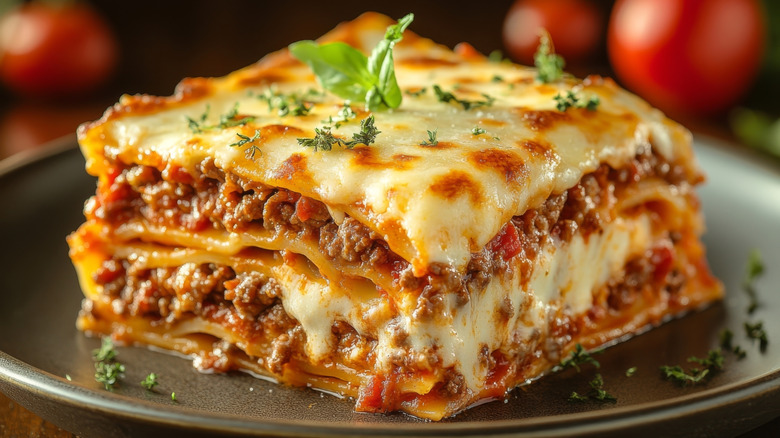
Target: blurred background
{"points": [[711, 64]]}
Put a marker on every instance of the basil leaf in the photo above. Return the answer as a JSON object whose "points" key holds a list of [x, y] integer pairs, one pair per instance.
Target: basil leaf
{"points": [[348, 73], [380, 63], [338, 66]]}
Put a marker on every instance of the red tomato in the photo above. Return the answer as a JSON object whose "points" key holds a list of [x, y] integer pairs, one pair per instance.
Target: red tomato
{"points": [[687, 56], [575, 27], [50, 50]]}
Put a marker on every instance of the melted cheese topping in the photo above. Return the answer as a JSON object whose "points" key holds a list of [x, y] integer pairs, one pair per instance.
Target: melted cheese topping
{"points": [[397, 186]]}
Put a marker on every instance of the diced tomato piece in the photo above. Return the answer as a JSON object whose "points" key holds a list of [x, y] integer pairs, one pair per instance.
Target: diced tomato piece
{"points": [[507, 242], [662, 258], [304, 208]]}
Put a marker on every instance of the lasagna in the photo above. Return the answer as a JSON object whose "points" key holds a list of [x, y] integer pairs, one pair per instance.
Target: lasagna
{"points": [[482, 235]]}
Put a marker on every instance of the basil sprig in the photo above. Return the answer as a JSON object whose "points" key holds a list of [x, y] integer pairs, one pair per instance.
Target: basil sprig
{"points": [[348, 73]]}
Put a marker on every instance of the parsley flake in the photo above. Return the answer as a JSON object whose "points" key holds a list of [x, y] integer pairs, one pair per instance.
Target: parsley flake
{"points": [[446, 97], [106, 351], [497, 56], [713, 362], [228, 120], [571, 99], [107, 370], [345, 114], [597, 392], [417, 92], [324, 138], [244, 140], [109, 373], [578, 357], [757, 331], [432, 141], [753, 270], [549, 65], [150, 381], [478, 131], [291, 104], [631, 371]]}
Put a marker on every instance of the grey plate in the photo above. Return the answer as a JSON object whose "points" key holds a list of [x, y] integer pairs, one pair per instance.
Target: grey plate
{"points": [[42, 197]]}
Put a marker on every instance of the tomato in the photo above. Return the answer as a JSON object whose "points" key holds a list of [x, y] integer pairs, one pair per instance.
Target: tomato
{"points": [[575, 27], [55, 50], [687, 56]]}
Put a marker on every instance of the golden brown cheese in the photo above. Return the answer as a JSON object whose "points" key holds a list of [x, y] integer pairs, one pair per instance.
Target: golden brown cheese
{"points": [[529, 150]]}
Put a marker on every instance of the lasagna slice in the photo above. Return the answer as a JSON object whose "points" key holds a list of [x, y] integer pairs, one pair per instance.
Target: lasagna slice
{"points": [[481, 236]]}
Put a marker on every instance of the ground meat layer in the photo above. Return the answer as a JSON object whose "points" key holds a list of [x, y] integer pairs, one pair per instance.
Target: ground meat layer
{"points": [[215, 199]]}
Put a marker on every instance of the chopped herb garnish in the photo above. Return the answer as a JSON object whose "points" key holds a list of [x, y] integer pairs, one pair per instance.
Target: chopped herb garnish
{"points": [[288, 104], [496, 56], [173, 396], [679, 375], [478, 131], [107, 370], [631, 371], [366, 135], [446, 97], [548, 64], [345, 114], [432, 141], [150, 381], [753, 270], [726, 339], [108, 373], [578, 357], [597, 392], [727, 343], [106, 351], [244, 140], [196, 126], [713, 362], [228, 120], [572, 100], [347, 72], [232, 119], [417, 93], [757, 331], [324, 138], [497, 78]]}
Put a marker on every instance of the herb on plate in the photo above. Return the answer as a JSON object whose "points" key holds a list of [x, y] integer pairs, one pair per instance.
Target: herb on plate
{"points": [[713, 362], [753, 270], [150, 381], [756, 331], [597, 392], [578, 357]]}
